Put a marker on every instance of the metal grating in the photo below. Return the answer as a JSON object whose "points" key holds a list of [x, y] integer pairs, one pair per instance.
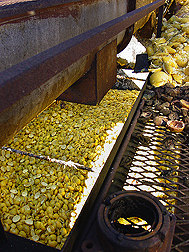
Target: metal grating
{"points": [[157, 160]]}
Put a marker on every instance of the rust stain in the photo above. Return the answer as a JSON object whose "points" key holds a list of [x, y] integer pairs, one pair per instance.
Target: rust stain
{"points": [[62, 11]]}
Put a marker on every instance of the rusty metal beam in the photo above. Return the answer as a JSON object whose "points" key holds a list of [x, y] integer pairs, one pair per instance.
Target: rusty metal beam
{"points": [[24, 6], [160, 17], [91, 88], [30, 86]]}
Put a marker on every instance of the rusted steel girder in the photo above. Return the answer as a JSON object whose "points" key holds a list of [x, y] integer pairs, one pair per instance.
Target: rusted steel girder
{"points": [[25, 6], [91, 88], [30, 86]]}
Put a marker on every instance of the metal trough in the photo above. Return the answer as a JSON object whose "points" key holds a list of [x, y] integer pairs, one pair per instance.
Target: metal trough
{"points": [[29, 86]]}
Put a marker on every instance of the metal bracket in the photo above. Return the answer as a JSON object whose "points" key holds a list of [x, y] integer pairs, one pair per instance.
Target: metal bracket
{"points": [[91, 88]]}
